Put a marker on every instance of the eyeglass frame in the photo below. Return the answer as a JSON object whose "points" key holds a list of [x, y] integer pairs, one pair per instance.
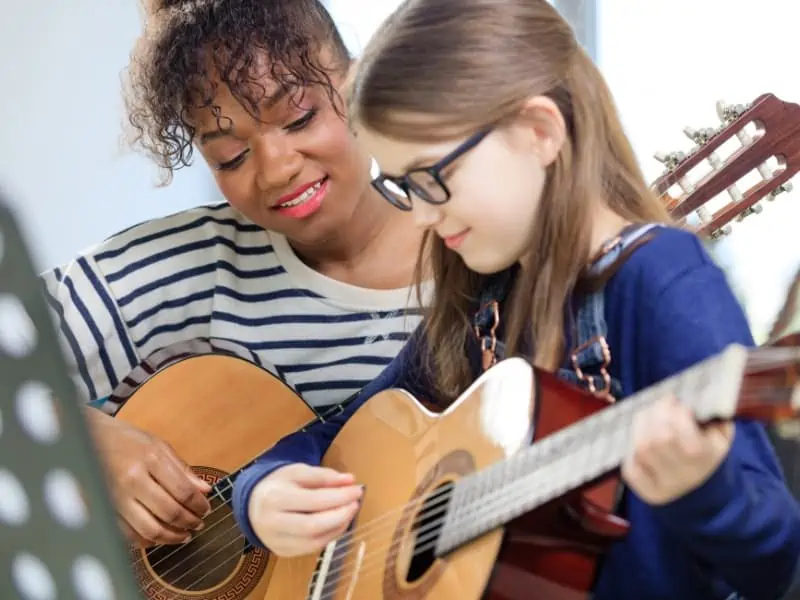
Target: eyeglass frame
{"points": [[406, 184]]}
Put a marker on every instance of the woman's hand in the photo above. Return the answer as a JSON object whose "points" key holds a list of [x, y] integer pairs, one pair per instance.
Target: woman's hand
{"points": [[158, 498], [670, 454], [298, 509]]}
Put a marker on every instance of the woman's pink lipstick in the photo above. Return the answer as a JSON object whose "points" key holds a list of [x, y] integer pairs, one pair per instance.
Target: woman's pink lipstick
{"points": [[304, 202]]}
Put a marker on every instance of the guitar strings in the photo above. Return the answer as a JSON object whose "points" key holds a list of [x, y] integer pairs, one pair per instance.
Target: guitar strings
{"points": [[195, 566], [490, 502], [433, 508], [429, 532], [493, 502], [424, 542], [194, 554], [427, 535], [781, 353], [148, 552], [367, 529], [370, 525]]}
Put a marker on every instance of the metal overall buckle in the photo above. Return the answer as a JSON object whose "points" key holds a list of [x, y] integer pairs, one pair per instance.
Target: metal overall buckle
{"points": [[489, 341], [605, 391]]}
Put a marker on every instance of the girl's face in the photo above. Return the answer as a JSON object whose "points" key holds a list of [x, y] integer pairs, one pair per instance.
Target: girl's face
{"points": [[495, 186], [296, 170]]}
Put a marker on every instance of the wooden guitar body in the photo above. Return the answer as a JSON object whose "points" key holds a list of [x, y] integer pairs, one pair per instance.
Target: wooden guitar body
{"points": [[219, 411], [412, 449]]}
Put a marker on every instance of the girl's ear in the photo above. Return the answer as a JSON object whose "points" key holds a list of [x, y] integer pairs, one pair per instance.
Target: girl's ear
{"points": [[545, 121]]}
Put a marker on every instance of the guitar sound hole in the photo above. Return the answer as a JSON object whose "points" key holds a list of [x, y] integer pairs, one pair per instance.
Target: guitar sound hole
{"points": [[208, 560], [426, 529]]}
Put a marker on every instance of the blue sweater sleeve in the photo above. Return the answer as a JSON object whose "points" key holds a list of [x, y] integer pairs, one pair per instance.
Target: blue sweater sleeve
{"points": [[310, 446], [743, 522]]}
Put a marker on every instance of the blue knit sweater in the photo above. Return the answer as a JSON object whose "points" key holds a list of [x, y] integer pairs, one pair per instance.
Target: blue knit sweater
{"points": [[738, 535]]}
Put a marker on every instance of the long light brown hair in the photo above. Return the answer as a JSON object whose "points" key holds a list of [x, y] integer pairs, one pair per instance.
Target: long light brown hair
{"points": [[474, 63]]}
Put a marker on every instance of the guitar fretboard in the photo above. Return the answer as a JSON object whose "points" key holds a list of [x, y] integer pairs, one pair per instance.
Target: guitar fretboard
{"points": [[582, 452]]}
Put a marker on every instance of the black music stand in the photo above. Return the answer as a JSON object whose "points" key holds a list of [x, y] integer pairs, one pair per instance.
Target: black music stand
{"points": [[59, 538]]}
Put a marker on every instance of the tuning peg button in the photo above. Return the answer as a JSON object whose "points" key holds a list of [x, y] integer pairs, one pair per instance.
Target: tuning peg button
{"points": [[756, 209], [699, 136], [721, 232], [784, 187], [670, 160], [730, 112]]}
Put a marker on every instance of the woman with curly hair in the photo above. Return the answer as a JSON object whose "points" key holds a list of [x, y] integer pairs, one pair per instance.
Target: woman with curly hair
{"points": [[304, 265]]}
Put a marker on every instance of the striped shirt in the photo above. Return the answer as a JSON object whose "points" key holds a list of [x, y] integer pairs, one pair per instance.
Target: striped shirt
{"points": [[210, 273]]}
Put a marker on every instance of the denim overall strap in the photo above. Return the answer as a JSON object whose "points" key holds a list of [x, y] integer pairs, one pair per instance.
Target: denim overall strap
{"points": [[587, 364], [487, 318]]}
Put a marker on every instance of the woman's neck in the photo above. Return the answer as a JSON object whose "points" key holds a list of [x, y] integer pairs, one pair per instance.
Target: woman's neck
{"points": [[378, 249]]}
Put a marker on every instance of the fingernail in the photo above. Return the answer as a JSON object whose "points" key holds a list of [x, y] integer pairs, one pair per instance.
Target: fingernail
{"points": [[199, 527], [187, 539]]}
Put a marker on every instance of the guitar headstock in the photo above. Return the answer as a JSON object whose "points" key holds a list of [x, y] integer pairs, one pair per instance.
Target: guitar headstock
{"points": [[763, 139]]}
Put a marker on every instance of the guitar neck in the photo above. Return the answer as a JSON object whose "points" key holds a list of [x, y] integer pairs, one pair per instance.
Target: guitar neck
{"points": [[585, 451]]}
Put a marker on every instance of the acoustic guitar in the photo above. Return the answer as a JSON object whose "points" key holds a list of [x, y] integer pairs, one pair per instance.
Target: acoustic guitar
{"points": [[508, 494], [219, 409], [459, 505]]}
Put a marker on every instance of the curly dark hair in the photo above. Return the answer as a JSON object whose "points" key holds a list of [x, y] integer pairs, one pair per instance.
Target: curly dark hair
{"points": [[190, 47]]}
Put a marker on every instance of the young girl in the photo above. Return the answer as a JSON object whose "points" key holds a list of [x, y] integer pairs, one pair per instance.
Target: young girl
{"points": [[494, 128]]}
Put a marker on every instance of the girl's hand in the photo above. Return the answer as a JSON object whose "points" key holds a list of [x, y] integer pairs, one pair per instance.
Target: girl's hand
{"points": [[670, 454], [298, 509]]}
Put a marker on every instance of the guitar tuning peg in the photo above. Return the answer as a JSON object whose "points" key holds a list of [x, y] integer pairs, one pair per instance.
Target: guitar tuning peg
{"points": [[756, 209], [721, 232], [722, 108], [699, 136], [660, 156], [671, 159], [730, 112], [784, 187]]}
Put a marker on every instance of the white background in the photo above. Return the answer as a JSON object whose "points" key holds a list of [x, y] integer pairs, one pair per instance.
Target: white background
{"points": [[667, 62]]}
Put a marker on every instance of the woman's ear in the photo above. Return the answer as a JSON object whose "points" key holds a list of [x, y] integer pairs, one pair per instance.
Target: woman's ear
{"points": [[545, 121]]}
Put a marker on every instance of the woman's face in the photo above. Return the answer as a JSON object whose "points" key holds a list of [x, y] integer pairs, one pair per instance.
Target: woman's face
{"points": [[296, 170]]}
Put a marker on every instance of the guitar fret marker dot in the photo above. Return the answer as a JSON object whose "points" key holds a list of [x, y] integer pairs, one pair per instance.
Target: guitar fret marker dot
{"points": [[91, 579], [37, 413], [32, 579], [17, 331], [63, 497], [14, 506]]}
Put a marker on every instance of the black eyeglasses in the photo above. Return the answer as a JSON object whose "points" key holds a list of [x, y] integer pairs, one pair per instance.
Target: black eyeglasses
{"points": [[424, 182]]}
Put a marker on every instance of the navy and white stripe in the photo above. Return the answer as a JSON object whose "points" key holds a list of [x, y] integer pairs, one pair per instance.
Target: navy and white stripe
{"points": [[210, 273]]}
